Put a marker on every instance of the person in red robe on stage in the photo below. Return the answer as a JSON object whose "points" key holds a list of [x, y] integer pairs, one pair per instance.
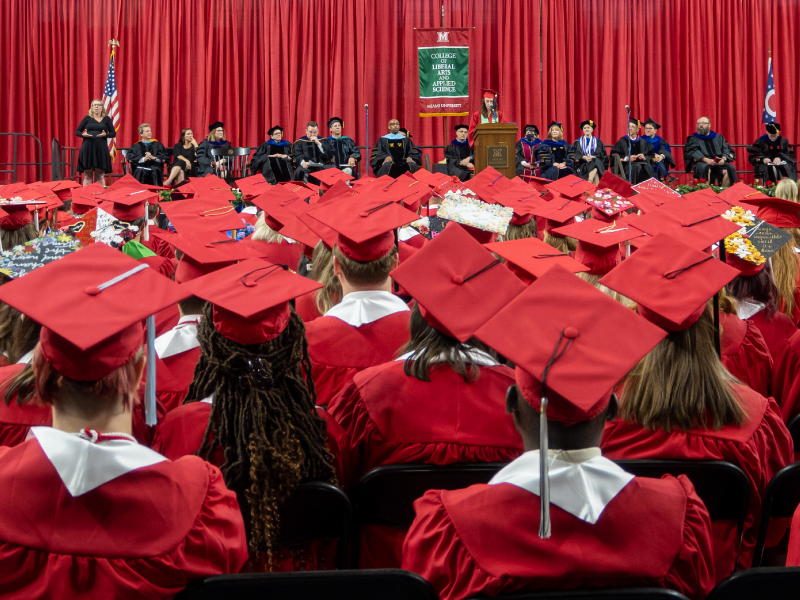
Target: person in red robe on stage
{"points": [[444, 371], [250, 407], [679, 402], [582, 521], [370, 325], [489, 113], [94, 513]]}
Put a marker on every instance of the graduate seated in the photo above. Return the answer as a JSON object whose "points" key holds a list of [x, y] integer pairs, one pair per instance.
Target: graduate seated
{"points": [[555, 155], [458, 155], [345, 153], [273, 159], [679, 402], [250, 407], [632, 156], [394, 154], [313, 306], [708, 156], [526, 153], [147, 157], [562, 515], [590, 154], [310, 154], [442, 372], [662, 159], [370, 324], [101, 515], [772, 156]]}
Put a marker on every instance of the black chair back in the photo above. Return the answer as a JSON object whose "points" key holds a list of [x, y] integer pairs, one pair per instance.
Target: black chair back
{"points": [[780, 501], [383, 584], [794, 430], [236, 160], [722, 486], [124, 162], [316, 511], [775, 583], [598, 594]]}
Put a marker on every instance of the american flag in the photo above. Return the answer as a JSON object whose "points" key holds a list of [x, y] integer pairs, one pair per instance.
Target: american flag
{"points": [[110, 102]]}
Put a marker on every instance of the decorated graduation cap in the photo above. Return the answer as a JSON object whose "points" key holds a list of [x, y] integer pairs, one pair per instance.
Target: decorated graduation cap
{"points": [[607, 204], [590, 123], [333, 120], [773, 128], [776, 211], [569, 358], [670, 281], [273, 129], [206, 252], [36, 253], [202, 215], [365, 225], [571, 186], [488, 93], [214, 125], [651, 122], [460, 126], [457, 283], [105, 287], [598, 242], [749, 248], [534, 258], [251, 298]]}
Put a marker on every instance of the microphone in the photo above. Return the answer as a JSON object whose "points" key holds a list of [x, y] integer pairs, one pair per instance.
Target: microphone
{"points": [[628, 108], [366, 106]]}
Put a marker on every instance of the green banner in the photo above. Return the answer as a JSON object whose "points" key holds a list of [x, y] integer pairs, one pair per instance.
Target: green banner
{"points": [[443, 72]]}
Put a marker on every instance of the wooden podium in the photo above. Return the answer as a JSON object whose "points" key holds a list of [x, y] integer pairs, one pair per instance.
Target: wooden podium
{"points": [[495, 146]]}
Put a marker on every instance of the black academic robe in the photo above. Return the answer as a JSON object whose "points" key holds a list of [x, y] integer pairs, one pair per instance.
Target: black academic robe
{"points": [[596, 150], [660, 146], [454, 153], [636, 171], [712, 145], [400, 150], [319, 156], [148, 171], [551, 153], [344, 148], [204, 158], [763, 148], [275, 170], [527, 152]]}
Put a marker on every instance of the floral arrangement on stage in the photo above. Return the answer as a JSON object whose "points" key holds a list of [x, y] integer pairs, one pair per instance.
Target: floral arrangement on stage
{"points": [[765, 187], [696, 184], [739, 243]]}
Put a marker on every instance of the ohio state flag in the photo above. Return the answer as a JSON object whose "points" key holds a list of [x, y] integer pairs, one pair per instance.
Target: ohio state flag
{"points": [[770, 102]]}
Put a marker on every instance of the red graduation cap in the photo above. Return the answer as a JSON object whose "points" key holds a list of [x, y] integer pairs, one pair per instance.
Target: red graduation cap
{"points": [[534, 258], [571, 186], [558, 211], [693, 223], [432, 179], [619, 185], [253, 185], [280, 206], [488, 92], [457, 282], [303, 190], [649, 200], [251, 299], [740, 192], [17, 213], [328, 177], [488, 183], [202, 215], [521, 201], [207, 251], [607, 204], [670, 281], [365, 224], [91, 305], [298, 231], [776, 211], [129, 181], [212, 187], [337, 189], [598, 242], [128, 204]]}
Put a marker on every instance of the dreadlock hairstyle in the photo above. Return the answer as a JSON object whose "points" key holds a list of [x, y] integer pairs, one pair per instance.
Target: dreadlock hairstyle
{"points": [[263, 418], [322, 272]]}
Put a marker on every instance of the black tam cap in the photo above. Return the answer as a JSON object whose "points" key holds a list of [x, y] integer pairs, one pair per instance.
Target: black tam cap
{"points": [[651, 122], [773, 128], [333, 120], [635, 121], [534, 127], [273, 129], [214, 125], [590, 123], [460, 126], [406, 132], [555, 123]]}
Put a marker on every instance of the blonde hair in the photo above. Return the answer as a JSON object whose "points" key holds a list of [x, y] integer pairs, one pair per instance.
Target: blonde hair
{"points": [[210, 136], [322, 272], [682, 385], [786, 189], [550, 133], [265, 233], [142, 126], [371, 272], [103, 112], [595, 281]]}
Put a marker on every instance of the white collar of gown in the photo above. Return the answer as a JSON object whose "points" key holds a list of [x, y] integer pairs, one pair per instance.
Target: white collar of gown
{"points": [[582, 482], [84, 466], [179, 339], [360, 308]]}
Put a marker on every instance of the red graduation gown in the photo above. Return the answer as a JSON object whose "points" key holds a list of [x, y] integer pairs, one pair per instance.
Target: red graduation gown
{"points": [[463, 423], [786, 379], [475, 120], [484, 540], [306, 307], [174, 374], [281, 253], [745, 353], [776, 331], [146, 534], [160, 246], [793, 555], [761, 447], [338, 350]]}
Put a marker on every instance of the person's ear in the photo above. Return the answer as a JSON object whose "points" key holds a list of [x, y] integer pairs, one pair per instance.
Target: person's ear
{"points": [[140, 364], [337, 267], [396, 261], [512, 398], [613, 408]]}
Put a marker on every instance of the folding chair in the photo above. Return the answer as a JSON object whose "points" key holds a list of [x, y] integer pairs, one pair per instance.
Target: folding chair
{"points": [[124, 163], [385, 584], [780, 501], [775, 583], [386, 495], [598, 594], [235, 162]]}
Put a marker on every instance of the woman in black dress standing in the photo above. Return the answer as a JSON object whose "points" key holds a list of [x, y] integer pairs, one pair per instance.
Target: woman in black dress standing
{"points": [[95, 129], [184, 158]]}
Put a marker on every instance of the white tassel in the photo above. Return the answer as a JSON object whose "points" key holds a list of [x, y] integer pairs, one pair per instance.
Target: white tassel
{"points": [[150, 417], [146, 235], [544, 479]]}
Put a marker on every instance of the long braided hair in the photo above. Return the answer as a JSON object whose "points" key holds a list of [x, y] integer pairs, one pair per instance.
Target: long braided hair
{"points": [[263, 418]]}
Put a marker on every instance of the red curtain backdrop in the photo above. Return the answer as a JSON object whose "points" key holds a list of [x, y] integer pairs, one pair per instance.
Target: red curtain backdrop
{"points": [[257, 63]]}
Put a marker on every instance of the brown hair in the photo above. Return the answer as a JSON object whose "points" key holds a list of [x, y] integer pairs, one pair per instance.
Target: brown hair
{"points": [[142, 126], [264, 233], [758, 288], [103, 113], [192, 305], [484, 110], [550, 131], [264, 420], [88, 398], [565, 244], [211, 134], [182, 139], [24, 339], [8, 319], [17, 237], [322, 272], [682, 385], [428, 343], [373, 272], [785, 270], [519, 232], [595, 281]]}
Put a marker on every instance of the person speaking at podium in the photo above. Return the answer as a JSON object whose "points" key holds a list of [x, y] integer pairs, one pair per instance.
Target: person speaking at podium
{"points": [[489, 113]]}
